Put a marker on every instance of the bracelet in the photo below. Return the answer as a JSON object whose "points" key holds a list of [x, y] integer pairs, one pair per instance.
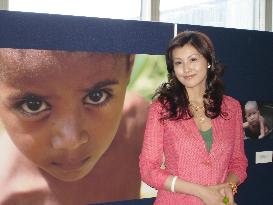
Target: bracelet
{"points": [[234, 187], [173, 183]]}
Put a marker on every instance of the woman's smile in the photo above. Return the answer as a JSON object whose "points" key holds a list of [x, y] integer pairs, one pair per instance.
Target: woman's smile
{"points": [[188, 77]]}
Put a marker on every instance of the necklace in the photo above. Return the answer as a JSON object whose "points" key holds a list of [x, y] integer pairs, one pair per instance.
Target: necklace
{"points": [[198, 112]]}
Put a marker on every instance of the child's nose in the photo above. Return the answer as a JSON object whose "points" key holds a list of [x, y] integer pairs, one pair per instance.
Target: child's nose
{"points": [[69, 134]]}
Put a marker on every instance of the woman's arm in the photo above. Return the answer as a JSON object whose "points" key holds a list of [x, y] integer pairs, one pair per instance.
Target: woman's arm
{"points": [[151, 156], [238, 162], [210, 195]]}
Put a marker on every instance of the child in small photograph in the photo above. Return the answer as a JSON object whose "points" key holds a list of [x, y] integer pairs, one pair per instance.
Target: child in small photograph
{"points": [[70, 133], [255, 126]]}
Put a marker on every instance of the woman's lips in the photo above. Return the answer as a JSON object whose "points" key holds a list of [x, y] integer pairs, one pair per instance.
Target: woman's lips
{"points": [[189, 77], [68, 166]]}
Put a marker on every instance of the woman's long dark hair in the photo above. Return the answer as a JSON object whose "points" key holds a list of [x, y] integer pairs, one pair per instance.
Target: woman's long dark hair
{"points": [[173, 95]]}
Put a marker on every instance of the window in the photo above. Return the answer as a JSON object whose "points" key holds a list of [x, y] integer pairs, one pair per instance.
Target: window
{"points": [[247, 14], [117, 9]]}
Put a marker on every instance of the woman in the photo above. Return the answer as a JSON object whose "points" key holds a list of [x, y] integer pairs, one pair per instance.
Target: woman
{"points": [[195, 128]]}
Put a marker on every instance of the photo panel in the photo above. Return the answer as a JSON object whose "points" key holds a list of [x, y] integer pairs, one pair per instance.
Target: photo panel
{"points": [[73, 111]]}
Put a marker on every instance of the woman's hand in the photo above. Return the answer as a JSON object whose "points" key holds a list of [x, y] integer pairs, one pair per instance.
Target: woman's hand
{"points": [[228, 193], [214, 195]]}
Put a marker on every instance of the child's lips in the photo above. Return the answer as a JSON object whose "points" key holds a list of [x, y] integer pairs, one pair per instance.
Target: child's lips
{"points": [[69, 166]]}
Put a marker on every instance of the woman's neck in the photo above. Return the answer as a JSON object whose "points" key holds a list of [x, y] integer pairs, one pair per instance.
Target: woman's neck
{"points": [[196, 95]]}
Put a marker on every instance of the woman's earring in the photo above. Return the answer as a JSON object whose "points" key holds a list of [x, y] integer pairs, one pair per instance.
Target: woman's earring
{"points": [[209, 65]]}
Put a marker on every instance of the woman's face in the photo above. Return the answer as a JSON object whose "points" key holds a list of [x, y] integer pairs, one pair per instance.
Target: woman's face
{"points": [[62, 109], [190, 67]]}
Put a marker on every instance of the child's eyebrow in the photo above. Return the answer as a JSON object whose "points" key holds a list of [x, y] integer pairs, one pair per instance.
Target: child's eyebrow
{"points": [[22, 95], [18, 96], [102, 84]]}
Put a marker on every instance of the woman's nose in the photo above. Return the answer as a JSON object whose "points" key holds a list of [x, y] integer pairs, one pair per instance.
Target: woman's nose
{"points": [[69, 135], [186, 68]]}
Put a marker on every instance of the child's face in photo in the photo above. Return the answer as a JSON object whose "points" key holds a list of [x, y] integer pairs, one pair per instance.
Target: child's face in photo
{"points": [[62, 109], [252, 115]]}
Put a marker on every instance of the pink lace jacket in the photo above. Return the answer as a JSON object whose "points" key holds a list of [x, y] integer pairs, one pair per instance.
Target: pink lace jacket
{"points": [[185, 152]]}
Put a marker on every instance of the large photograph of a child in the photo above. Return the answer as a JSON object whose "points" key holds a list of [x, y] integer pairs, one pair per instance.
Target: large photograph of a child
{"points": [[70, 133]]}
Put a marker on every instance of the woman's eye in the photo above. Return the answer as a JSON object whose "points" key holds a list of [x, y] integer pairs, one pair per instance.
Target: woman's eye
{"points": [[33, 105], [97, 97], [177, 63], [194, 59]]}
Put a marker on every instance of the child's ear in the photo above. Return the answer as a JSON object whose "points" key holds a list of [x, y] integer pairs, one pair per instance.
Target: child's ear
{"points": [[131, 62], [130, 65]]}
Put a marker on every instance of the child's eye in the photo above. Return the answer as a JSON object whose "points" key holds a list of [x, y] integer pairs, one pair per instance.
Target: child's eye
{"points": [[98, 97], [33, 105]]}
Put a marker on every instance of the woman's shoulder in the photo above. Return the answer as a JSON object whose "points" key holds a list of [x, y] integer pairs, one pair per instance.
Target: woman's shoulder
{"points": [[157, 107], [230, 104]]}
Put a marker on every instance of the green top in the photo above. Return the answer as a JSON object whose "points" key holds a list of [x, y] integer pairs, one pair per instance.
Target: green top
{"points": [[207, 136]]}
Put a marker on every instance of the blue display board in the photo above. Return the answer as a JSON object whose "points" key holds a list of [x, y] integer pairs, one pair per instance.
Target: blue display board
{"points": [[60, 32]]}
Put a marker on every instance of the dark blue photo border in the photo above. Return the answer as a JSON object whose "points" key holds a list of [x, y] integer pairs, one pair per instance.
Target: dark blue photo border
{"points": [[74, 33]]}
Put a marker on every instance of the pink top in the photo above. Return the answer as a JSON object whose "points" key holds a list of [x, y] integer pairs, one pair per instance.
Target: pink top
{"points": [[186, 155]]}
